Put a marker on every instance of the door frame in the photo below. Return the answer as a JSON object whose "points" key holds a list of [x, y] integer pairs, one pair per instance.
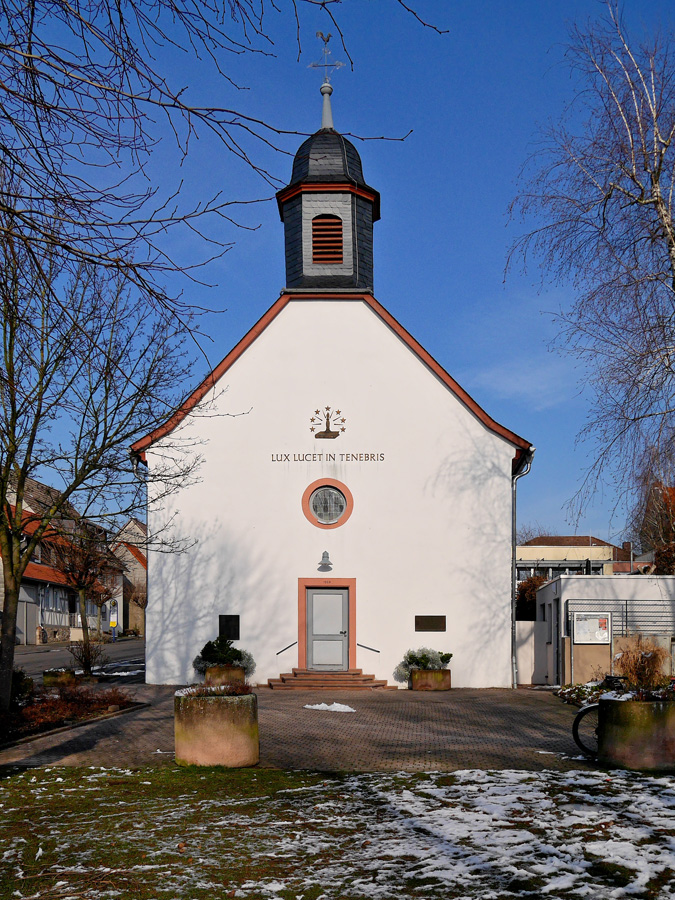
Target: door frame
{"points": [[348, 584]]}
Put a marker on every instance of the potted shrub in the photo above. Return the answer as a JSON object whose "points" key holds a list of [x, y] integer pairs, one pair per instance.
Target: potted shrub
{"points": [[424, 670], [639, 732], [216, 726], [222, 663]]}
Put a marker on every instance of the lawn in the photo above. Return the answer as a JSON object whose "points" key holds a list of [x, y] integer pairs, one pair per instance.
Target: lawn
{"points": [[194, 834]]}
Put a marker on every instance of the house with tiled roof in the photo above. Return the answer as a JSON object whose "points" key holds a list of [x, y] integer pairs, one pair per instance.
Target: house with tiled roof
{"points": [[575, 554], [47, 609], [348, 481]]}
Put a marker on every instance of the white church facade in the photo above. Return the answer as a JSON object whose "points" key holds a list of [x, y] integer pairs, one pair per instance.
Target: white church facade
{"points": [[353, 501]]}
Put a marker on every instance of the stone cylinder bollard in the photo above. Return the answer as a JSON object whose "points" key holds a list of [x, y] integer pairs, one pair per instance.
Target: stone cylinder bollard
{"points": [[637, 734], [214, 729]]}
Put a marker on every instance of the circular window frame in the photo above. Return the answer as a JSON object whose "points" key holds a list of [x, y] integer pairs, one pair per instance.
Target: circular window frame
{"points": [[327, 482]]}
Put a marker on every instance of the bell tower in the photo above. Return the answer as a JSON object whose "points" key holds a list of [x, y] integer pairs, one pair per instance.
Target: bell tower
{"points": [[328, 212]]}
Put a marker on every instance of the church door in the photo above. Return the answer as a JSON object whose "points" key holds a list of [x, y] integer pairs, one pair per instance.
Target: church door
{"points": [[328, 629]]}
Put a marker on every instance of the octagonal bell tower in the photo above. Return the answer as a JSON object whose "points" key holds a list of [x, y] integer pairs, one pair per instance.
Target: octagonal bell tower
{"points": [[328, 212]]}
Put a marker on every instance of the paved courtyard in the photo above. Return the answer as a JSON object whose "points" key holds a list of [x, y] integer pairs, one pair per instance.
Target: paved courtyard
{"points": [[389, 731]]}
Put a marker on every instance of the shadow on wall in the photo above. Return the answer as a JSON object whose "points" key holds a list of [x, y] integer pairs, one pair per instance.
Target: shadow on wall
{"points": [[220, 574], [479, 482]]}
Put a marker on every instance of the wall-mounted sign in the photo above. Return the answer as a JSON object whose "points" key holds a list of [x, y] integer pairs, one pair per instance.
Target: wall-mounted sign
{"points": [[592, 628], [327, 417]]}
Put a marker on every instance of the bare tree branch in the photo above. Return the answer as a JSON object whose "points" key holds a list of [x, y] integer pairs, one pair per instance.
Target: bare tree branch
{"points": [[599, 190]]}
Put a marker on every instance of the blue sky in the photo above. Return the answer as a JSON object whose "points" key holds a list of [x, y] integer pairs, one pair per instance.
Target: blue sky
{"points": [[473, 98]]}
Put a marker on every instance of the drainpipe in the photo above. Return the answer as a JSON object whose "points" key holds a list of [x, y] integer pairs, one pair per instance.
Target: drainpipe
{"points": [[523, 470]]}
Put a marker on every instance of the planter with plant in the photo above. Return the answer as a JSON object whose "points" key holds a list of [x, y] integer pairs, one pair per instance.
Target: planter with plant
{"points": [[222, 663], [424, 670], [216, 726], [639, 732]]}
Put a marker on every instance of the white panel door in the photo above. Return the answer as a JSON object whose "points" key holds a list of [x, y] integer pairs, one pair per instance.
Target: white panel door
{"points": [[328, 629]]}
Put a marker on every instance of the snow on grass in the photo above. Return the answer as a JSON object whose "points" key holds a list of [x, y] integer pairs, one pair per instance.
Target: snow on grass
{"points": [[269, 835]]}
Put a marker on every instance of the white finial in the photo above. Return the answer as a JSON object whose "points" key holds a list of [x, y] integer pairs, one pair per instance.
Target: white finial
{"points": [[327, 112], [326, 88]]}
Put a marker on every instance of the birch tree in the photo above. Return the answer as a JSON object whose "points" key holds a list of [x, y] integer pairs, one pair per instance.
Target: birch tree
{"points": [[598, 194]]}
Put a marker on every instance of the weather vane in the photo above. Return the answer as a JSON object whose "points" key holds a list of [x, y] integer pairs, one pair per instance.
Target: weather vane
{"points": [[326, 63]]}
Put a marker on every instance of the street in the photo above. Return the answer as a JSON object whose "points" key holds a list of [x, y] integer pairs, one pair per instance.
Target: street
{"points": [[34, 659]]}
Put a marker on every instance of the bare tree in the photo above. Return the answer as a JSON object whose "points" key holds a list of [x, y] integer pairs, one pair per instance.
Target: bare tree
{"points": [[80, 553], [138, 595], [80, 380], [89, 89], [601, 189], [528, 531]]}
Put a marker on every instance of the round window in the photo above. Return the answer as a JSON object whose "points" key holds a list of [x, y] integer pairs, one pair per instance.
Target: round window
{"points": [[328, 504]]}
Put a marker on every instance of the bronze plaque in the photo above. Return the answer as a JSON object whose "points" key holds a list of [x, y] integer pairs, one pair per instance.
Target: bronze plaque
{"points": [[430, 623]]}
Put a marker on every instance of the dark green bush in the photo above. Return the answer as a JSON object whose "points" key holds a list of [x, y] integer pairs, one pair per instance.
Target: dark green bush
{"points": [[22, 687]]}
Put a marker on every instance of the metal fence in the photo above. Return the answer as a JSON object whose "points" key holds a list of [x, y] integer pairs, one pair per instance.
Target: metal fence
{"points": [[628, 616]]}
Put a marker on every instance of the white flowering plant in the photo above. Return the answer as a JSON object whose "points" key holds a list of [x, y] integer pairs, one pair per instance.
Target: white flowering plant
{"points": [[422, 658]]}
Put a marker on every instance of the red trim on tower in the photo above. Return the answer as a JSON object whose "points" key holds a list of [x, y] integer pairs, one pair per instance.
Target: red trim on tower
{"points": [[210, 381], [286, 194]]}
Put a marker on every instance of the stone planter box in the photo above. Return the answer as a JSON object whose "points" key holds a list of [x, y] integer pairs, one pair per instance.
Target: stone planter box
{"points": [[57, 678], [429, 680], [216, 730], [216, 675], [637, 735]]}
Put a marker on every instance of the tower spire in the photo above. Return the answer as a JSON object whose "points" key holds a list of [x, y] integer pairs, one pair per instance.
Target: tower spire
{"points": [[326, 87], [327, 112]]}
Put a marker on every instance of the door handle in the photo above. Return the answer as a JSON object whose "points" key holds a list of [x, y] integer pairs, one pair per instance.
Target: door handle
{"points": [[343, 632]]}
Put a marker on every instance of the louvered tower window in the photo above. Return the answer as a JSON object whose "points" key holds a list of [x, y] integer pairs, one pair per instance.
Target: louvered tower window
{"points": [[327, 240]]}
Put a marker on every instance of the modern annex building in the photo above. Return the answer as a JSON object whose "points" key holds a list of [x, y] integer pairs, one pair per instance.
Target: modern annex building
{"points": [[362, 504]]}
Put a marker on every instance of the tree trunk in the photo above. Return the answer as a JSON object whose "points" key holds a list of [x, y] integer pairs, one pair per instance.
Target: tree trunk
{"points": [[8, 638], [86, 655], [98, 622]]}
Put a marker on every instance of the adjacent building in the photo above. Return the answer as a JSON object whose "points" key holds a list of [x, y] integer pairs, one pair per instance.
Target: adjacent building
{"points": [[553, 555]]}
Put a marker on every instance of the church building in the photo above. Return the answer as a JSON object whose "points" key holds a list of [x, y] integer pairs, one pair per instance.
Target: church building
{"points": [[353, 501]]}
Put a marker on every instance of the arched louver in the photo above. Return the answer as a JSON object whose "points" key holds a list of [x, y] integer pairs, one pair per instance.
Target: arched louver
{"points": [[327, 240]]}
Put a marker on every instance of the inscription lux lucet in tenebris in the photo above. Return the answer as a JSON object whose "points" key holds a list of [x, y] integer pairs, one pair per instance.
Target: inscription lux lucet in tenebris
{"points": [[327, 457]]}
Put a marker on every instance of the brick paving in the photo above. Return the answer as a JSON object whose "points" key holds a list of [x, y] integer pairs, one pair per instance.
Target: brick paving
{"points": [[390, 731]]}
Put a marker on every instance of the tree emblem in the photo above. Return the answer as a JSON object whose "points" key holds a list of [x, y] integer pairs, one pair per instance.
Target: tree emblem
{"points": [[327, 417]]}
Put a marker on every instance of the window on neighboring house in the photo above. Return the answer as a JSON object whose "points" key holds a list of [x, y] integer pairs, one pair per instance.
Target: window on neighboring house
{"points": [[327, 240], [37, 555]]}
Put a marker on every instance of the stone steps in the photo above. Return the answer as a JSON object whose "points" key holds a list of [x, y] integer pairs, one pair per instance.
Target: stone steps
{"points": [[308, 680]]}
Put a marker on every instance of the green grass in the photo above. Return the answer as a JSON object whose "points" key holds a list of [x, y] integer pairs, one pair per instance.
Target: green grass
{"points": [[204, 834]]}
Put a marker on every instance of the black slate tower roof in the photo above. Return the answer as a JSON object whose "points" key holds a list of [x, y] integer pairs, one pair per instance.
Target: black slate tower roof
{"points": [[328, 211], [327, 156]]}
